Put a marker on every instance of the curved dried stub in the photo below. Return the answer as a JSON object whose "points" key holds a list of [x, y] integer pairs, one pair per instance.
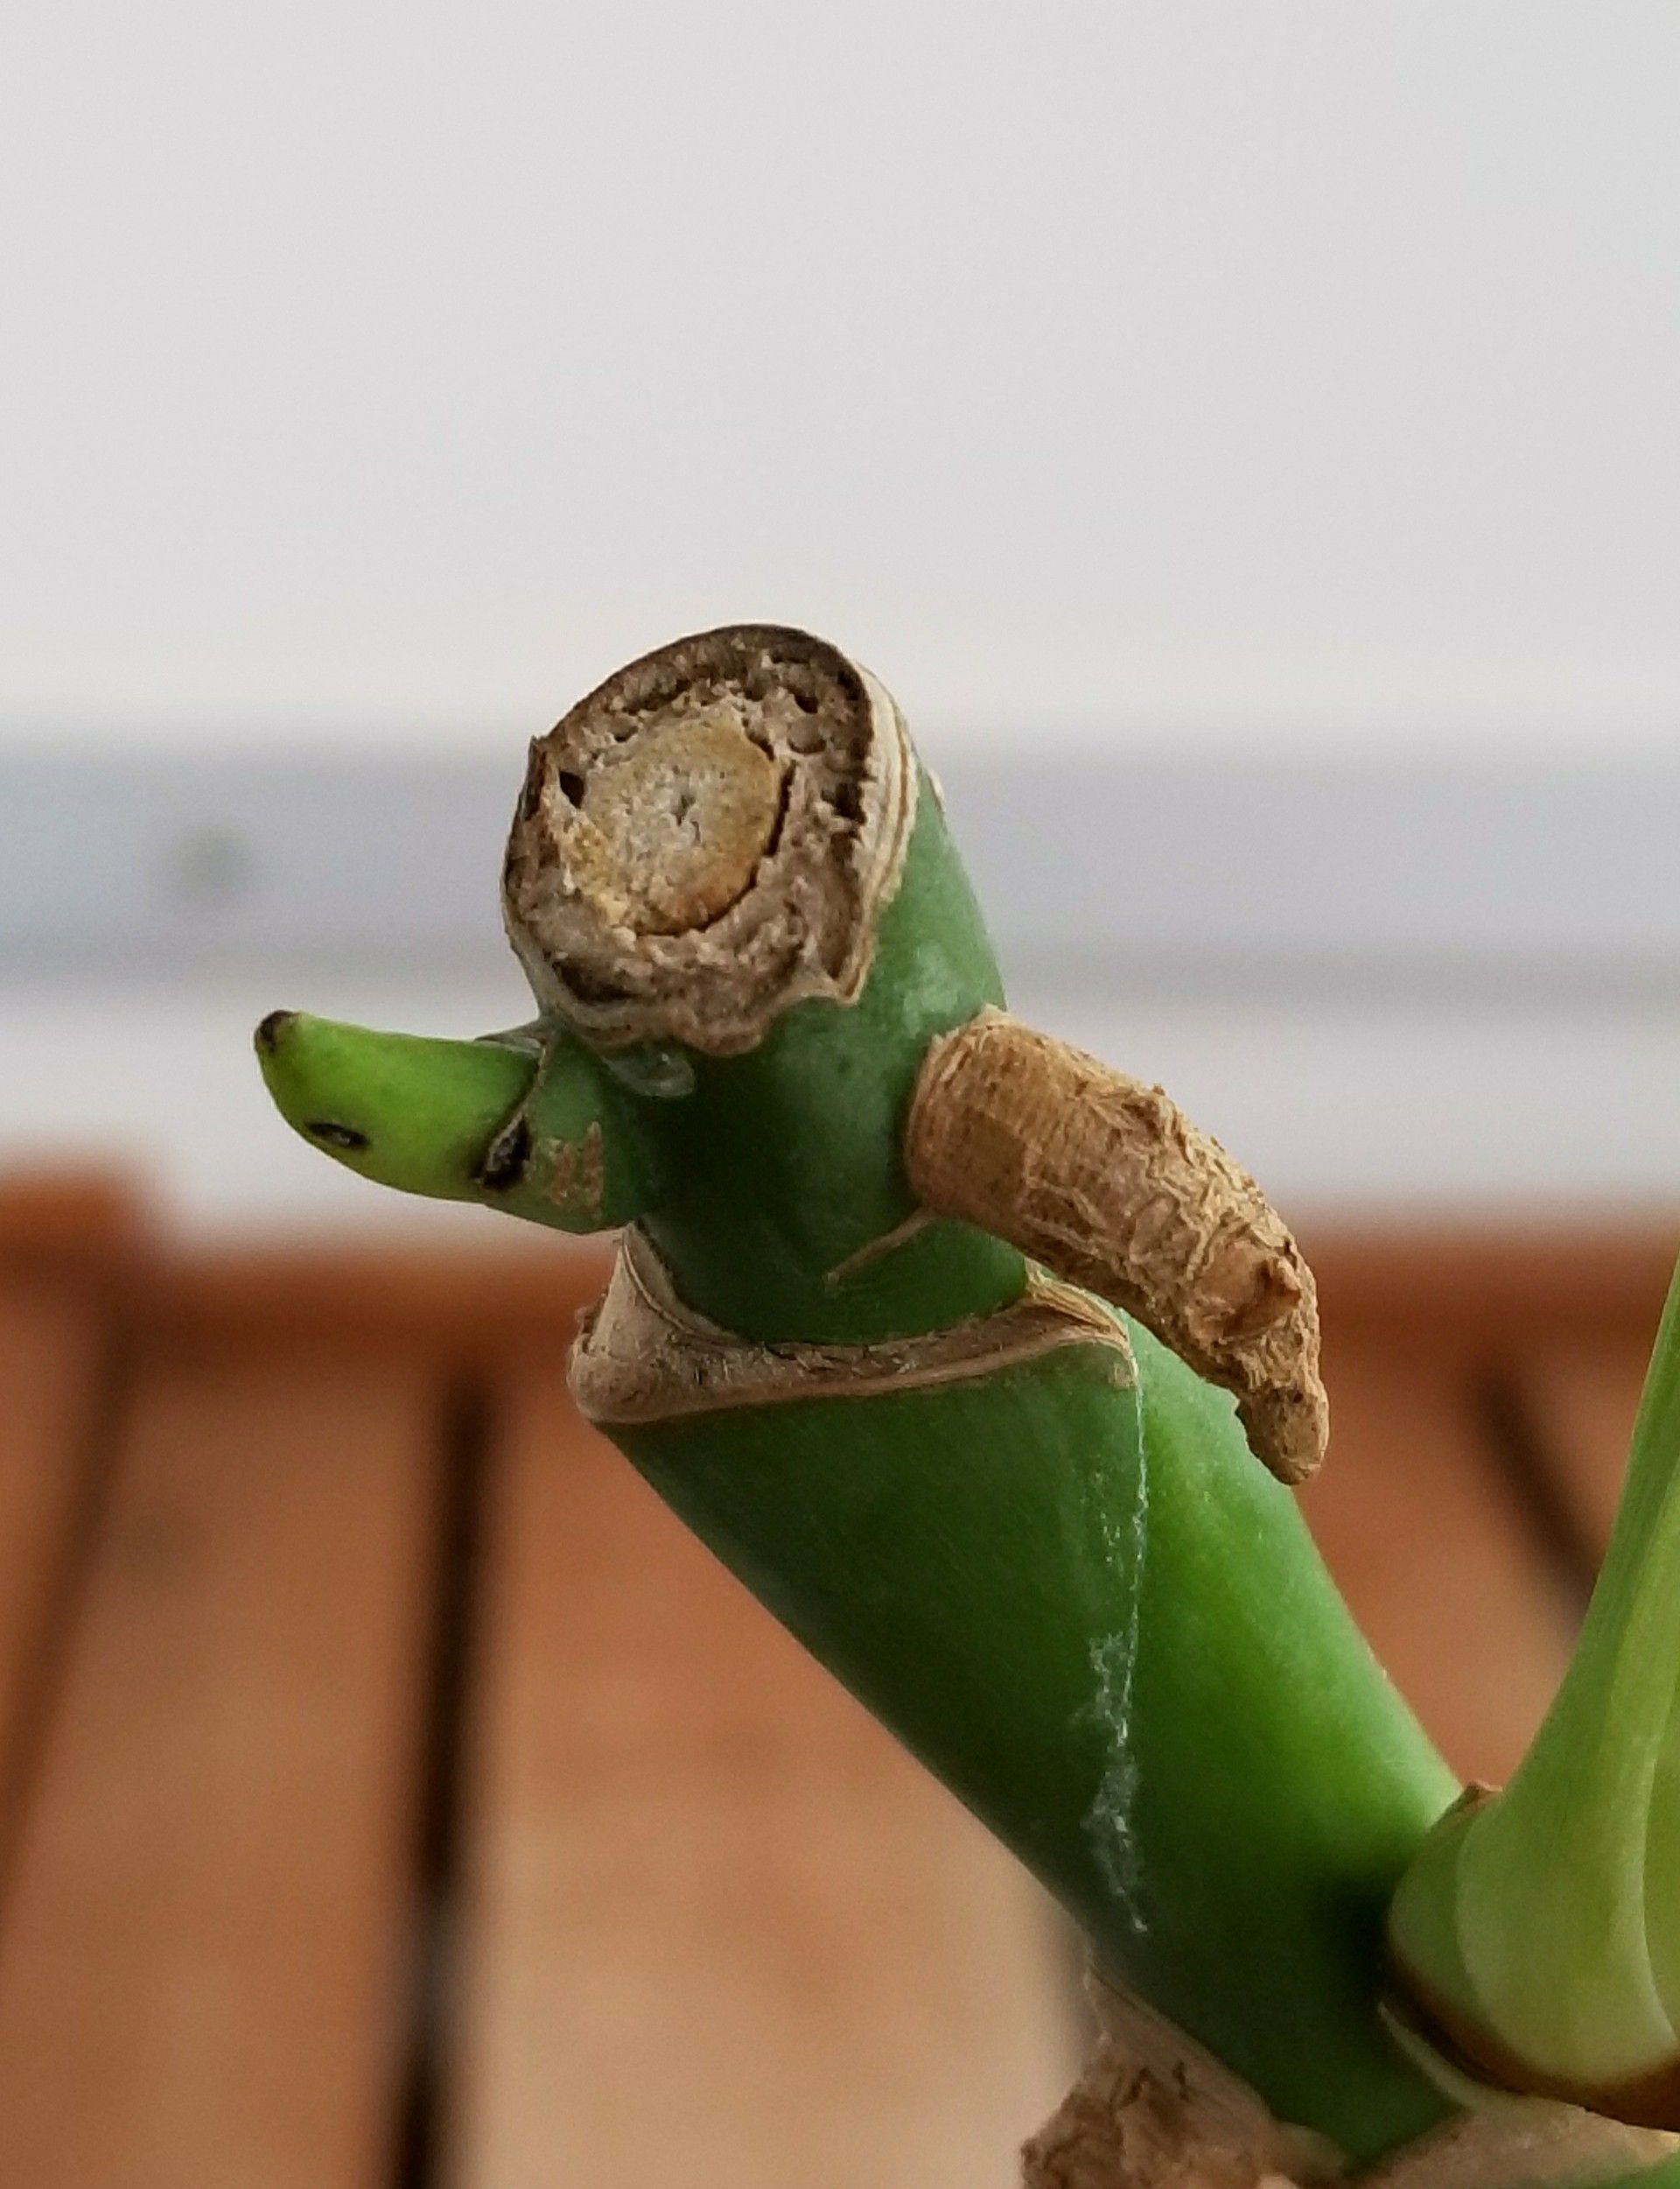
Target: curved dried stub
{"points": [[709, 837], [1105, 1180]]}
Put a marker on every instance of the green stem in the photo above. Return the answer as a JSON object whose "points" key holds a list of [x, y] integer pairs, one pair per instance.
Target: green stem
{"points": [[1544, 1924], [1069, 1588], [1091, 1614], [1085, 1606]]}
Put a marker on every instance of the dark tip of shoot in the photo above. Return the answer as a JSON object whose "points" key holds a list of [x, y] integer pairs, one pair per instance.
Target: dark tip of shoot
{"points": [[269, 1034]]}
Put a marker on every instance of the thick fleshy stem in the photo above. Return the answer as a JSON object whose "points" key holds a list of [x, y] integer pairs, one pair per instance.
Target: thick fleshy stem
{"points": [[1073, 1593], [1062, 1579]]}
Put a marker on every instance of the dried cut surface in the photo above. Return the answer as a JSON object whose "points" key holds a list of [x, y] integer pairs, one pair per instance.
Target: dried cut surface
{"points": [[1153, 2110], [643, 1355], [1106, 1181], [708, 838]]}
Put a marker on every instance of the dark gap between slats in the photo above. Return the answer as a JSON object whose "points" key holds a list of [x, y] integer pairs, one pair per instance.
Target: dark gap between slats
{"points": [[1535, 1470], [465, 1426], [98, 1436]]}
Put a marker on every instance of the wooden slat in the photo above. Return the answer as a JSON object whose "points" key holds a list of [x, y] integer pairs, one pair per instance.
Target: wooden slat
{"points": [[68, 1238], [1580, 1399], [500, 1302], [720, 1930], [52, 1353], [1476, 1282], [523, 1289], [1431, 1545], [81, 1220], [203, 1954]]}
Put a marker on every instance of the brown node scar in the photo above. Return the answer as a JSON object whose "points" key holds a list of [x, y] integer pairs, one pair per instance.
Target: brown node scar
{"points": [[1107, 1182]]}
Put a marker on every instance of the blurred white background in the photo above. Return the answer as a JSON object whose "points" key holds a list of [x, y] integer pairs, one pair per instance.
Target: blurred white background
{"points": [[1178, 385]]}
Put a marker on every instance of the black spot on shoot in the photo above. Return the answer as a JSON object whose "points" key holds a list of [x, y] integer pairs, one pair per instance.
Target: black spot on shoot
{"points": [[332, 1135], [505, 1157]]}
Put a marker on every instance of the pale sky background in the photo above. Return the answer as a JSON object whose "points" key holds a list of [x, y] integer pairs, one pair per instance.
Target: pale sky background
{"points": [[1303, 372]]}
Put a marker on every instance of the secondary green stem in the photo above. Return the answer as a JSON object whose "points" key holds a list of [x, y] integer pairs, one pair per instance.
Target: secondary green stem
{"points": [[1543, 1925]]}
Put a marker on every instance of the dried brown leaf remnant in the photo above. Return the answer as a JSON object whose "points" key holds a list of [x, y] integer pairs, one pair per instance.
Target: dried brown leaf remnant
{"points": [[642, 1356], [1106, 1181]]}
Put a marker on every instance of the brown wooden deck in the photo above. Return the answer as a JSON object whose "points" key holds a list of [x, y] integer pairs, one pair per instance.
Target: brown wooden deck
{"points": [[391, 1793]]}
